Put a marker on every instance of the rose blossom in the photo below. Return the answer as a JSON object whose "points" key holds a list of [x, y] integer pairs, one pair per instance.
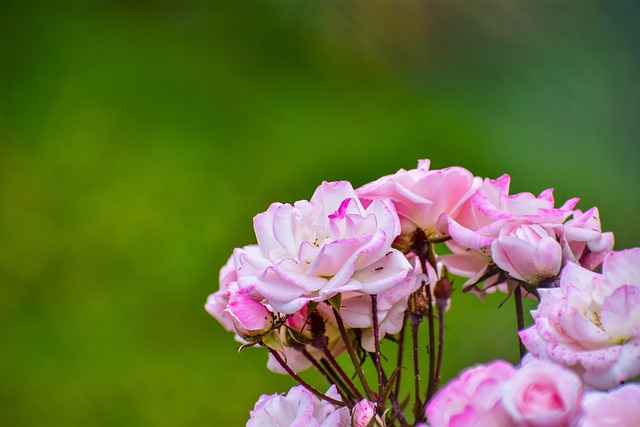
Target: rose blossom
{"points": [[473, 398], [584, 241], [519, 233], [217, 302], [528, 252], [313, 250], [591, 323], [250, 317], [617, 408], [421, 195], [299, 408], [363, 413], [543, 394]]}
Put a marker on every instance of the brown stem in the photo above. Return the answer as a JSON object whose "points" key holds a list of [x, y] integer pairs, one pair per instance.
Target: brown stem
{"points": [[376, 340], [436, 378], [334, 363], [352, 355], [335, 379], [417, 405], [331, 377], [303, 383], [517, 293]]}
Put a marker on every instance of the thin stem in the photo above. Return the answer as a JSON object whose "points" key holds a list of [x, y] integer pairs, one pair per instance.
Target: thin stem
{"points": [[393, 397], [517, 293], [330, 377], [400, 353], [431, 321], [417, 406], [440, 348], [376, 340], [352, 355], [303, 383], [332, 360], [335, 379]]}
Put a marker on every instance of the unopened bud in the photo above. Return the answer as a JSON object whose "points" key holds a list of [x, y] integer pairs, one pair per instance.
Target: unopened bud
{"points": [[442, 293]]}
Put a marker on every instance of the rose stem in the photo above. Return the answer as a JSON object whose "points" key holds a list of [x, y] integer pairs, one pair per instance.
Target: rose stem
{"points": [[440, 347], [345, 391], [517, 293], [432, 333], [303, 382], [332, 360], [330, 377], [417, 406], [376, 340], [352, 355]]}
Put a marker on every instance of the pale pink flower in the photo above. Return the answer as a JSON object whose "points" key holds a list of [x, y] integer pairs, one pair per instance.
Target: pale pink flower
{"points": [[491, 214], [528, 252], [298, 408], [543, 394], [313, 250], [217, 302], [364, 413], [583, 239], [355, 310], [474, 398], [617, 408], [421, 195], [591, 323]]}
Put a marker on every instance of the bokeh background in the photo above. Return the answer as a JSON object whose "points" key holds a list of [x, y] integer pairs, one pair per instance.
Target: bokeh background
{"points": [[138, 140]]}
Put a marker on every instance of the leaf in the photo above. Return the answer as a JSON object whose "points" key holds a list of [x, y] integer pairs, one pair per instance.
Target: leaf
{"points": [[335, 301], [272, 340]]}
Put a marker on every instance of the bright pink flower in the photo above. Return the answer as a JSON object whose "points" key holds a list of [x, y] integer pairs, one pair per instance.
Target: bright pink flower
{"points": [[592, 322], [616, 408], [474, 398], [310, 251], [528, 252], [299, 408], [364, 413], [543, 394], [422, 195], [250, 317]]}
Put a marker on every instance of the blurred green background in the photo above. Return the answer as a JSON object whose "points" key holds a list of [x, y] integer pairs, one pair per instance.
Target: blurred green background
{"points": [[138, 140]]}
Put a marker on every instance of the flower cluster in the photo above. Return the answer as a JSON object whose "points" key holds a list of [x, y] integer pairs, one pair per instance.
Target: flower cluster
{"points": [[349, 268], [538, 394]]}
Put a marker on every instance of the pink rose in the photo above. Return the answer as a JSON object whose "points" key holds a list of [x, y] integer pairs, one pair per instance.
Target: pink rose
{"points": [[491, 214], [584, 242], [217, 302], [543, 394], [364, 412], [474, 398], [250, 317], [422, 195], [617, 408], [528, 252], [298, 408], [313, 250], [591, 323]]}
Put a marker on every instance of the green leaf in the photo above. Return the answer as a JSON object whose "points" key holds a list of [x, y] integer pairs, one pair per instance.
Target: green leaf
{"points": [[272, 340]]}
